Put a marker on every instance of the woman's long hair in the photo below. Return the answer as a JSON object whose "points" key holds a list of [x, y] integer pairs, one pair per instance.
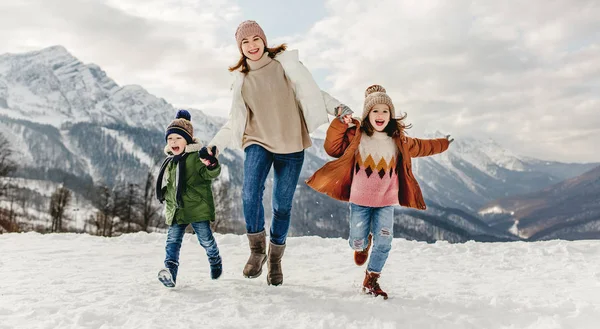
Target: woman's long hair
{"points": [[242, 64]]}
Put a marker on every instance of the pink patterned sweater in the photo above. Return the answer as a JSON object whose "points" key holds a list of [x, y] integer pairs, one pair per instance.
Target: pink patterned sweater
{"points": [[375, 181]]}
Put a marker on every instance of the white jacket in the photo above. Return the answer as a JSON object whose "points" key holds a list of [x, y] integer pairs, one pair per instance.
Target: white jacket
{"points": [[314, 102]]}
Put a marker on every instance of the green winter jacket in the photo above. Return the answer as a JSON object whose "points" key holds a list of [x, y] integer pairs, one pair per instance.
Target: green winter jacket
{"points": [[198, 203]]}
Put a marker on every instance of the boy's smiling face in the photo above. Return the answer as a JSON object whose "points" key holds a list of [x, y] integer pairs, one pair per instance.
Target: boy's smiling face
{"points": [[176, 143]]}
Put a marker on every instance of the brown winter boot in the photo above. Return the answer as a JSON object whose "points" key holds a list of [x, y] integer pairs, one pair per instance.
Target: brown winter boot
{"points": [[360, 257], [275, 275], [258, 254], [371, 286]]}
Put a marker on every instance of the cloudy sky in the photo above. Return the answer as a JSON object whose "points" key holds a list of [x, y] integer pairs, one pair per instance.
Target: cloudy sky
{"points": [[526, 74]]}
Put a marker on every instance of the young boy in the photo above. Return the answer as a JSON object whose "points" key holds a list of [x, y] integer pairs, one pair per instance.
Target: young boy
{"points": [[184, 182]]}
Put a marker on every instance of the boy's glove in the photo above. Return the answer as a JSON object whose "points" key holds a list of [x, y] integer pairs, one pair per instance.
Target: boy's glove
{"points": [[343, 111], [204, 155]]}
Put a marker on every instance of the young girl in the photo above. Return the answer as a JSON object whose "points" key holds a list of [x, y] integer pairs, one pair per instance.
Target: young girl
{"points": [[184, 182], [276, 105], [374, 174]]}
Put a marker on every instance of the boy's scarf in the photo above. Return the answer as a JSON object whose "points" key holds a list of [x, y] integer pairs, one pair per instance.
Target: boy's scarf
{"points": [[178, 160]]}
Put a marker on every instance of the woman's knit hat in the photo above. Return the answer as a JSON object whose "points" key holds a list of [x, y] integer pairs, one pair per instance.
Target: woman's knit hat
{"points": [[246, 29], [182, 126], [374, 95]]}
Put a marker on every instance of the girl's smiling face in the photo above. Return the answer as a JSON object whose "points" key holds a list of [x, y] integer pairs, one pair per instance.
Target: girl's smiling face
{"points": [[176, 143], [379, 117], [253, 47]]}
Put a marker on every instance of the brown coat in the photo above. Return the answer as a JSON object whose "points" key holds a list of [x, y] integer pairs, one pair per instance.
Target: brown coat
{"points": [[335, 177]]}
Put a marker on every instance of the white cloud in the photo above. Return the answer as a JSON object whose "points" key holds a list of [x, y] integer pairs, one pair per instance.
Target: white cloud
{"points": [[178, 50], [524, 73]]}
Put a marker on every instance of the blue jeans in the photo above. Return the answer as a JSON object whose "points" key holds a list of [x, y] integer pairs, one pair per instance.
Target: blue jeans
{"points": [[204, 235], [379, 221], [257, 165]]}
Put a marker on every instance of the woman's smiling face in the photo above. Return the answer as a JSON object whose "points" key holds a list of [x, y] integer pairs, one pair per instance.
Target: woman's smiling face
{"points": [[253, 47]]}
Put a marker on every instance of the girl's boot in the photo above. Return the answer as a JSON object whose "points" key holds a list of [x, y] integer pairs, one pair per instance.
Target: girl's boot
{"points": [[371, 286]]}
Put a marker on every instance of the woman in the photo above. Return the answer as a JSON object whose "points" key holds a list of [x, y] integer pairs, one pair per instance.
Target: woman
{"points": [[276, 104]]}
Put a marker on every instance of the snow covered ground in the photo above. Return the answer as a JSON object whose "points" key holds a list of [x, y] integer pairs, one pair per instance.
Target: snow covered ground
{"points": [[81, 281]]}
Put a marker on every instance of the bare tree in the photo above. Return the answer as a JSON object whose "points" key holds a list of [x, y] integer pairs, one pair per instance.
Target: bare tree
{"points": [[58, 203], [223, 207], [8, 216], [6, 224], [103, 219], [7, 165], [127, 207], [149, 210]]}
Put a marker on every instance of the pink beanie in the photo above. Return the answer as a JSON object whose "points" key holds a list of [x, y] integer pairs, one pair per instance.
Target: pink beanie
{"points": [[246, 29]]}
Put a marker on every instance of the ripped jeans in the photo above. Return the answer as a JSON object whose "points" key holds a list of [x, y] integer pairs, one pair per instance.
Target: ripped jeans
{"points": [[380, 221]]}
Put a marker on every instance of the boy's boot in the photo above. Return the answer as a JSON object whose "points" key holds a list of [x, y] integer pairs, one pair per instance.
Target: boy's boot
{"points": [[360, 257], [216, 268], [168, 275], [275, 275], [258, 254], [371, 286]]}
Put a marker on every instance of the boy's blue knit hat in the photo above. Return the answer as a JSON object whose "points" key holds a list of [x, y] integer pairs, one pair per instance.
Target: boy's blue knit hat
{"points": [[182, 126]]}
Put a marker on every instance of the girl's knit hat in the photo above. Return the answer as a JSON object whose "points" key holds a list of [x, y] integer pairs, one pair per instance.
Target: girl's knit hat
{"points": [[182, 126], [246, 29], [374, 95]]}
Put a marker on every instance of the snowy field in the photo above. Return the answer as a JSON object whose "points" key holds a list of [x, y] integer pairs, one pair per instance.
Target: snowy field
{"points": [[81, 281]]}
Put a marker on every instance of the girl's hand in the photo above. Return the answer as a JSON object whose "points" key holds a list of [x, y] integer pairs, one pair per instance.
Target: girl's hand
{"points": [[347, 119], [206, 162]]}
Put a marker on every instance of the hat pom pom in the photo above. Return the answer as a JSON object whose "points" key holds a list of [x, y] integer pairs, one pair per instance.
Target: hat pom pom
{"points": [[374, 89], [183, 114]]}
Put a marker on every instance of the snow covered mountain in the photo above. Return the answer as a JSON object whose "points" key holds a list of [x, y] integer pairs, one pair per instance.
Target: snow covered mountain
{"points": [[475, 172], [51, 86], [69, 117], [567, 210], [72, 124]]}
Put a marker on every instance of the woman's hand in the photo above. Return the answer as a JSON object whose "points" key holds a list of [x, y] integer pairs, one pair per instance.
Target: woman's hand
{"points": [[206, 156], [347, 119], [212, 150], [344, 113]]}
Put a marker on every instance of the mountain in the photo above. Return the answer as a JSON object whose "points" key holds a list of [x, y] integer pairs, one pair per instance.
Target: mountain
{"points": [[567, 210], [475, 172], [51, 86], [73, 125], [71, 122]]}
